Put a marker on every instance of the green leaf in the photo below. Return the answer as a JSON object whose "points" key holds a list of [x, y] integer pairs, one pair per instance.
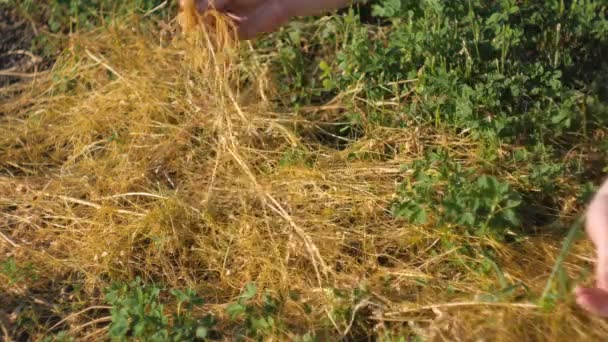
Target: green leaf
{"points": [[328, 84], [250, 291], [308, 338], [120, 325], [324, 66], [467, 219], [139, 328], [201, 332], [179, 295], [484, 181], [403, 210], [235, 309], [512, 203], [510, 217], [259, 323], [419, 216]]}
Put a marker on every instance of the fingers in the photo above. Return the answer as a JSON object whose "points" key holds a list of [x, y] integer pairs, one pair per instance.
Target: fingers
{"points": [[593, 300], [313, 7], [265, 18], [267, 15], [225, 5], [262, 16], [204, 5]]}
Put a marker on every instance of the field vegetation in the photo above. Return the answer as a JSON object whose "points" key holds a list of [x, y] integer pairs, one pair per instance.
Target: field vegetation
{"points": [[398, 171]]}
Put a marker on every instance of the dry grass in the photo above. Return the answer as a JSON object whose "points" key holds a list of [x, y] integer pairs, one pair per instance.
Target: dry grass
{"points": [[166, 159]]}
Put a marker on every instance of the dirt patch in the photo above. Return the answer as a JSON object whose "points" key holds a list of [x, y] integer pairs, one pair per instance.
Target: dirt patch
{"points": [[15, 43]]}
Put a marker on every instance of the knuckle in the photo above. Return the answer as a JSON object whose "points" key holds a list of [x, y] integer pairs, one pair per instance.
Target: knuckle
{"points": [[278, 9]]}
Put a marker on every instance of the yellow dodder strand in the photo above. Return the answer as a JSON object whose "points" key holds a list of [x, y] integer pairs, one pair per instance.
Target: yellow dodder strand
{"points": [[188, 17], [214, 24]]}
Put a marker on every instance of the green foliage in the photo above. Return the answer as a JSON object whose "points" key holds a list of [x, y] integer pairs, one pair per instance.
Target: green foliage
{"points": [[526, 80], [17, 274], [390, 337], [500, 69], [62, 15], [297, 156], [457, 195], [258, 317], [558, 274], [528, 75], [516, 71], [185, 326], [344, 303], [61, 336], [137, 312]]}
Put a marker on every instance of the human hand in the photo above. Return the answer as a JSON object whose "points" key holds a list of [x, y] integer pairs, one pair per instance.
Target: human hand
{"points": [[257, 16], [595, 300]]}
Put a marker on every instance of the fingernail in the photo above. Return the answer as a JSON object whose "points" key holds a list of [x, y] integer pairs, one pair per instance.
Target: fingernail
{"points": [[236, 17]]}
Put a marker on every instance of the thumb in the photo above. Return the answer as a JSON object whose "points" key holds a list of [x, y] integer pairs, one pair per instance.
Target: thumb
{"points": [[593, 300], [597, 229], [601, 269]]}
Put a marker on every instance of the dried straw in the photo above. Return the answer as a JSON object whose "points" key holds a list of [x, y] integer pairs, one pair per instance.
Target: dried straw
{"points": [[167, 161]]}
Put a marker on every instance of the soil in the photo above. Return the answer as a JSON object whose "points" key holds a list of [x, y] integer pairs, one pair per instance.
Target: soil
{"points": [[16, 36]]}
